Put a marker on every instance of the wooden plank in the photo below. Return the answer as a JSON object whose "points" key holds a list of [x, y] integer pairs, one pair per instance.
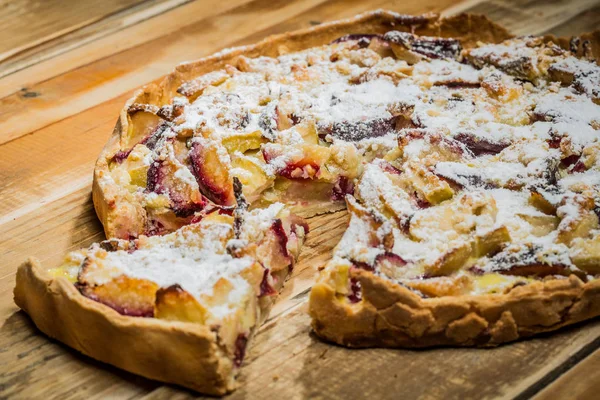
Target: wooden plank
{"points": [[530, 17], [580, 382], [132, 29], [586, 21], [56, 33], [57, 20]]}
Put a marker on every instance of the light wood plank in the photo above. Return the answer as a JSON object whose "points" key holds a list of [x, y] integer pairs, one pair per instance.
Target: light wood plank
{"points": [[38, 47], [530, 17], [130, 30], [47, 20]]}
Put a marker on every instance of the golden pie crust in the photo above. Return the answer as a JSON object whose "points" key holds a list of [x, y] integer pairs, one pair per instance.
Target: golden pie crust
{"points": [[390, 315]]}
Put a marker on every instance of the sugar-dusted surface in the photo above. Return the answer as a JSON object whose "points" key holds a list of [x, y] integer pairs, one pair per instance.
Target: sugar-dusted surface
{"points": [[48, 210]]}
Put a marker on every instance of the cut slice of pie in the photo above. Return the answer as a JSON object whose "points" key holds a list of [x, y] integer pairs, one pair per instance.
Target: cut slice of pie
{"points": [[191, 299], [467, 160]]}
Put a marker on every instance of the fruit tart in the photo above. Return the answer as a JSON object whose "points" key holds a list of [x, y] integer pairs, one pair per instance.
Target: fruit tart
{"points": [[179, 307], [482, 225], [467, 160]]}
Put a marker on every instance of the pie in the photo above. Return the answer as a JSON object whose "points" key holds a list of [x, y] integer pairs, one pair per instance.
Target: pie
{"points": [[466, 158]]}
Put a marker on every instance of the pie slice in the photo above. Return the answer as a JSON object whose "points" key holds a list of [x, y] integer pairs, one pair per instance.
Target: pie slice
{"points": [[192, 298], [466, 158]]}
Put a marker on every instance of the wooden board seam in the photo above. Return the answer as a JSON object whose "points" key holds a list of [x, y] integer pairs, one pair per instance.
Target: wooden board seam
{"points": [[561, 369]]}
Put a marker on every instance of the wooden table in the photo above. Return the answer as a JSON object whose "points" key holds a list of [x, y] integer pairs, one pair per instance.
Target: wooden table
{"points": [[66, 68]]}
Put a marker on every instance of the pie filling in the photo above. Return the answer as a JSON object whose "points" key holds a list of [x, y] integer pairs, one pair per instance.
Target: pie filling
{"points": [[465, 171], [215, 272]]}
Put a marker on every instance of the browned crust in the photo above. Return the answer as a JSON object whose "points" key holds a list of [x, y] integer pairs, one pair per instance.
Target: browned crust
{"points": [[182, 353], [586, 45], [391, 315]]}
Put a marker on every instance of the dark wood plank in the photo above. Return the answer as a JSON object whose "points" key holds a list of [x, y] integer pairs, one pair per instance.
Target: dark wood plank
{"points": [[580, 382], [533, 17]]}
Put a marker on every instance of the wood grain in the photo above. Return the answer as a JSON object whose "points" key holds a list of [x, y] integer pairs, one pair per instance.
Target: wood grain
{"points": [[53, 130], [89, 24], [580, 382]]}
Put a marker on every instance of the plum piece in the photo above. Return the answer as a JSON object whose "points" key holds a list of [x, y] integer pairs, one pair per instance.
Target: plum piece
{"points": [[573, 163], [128, 296], [173, 303], [359, 37], [362, 265], [240, 349], [155, 228], [354, 131], [479, 145], [211, 174], [391, 259], [522, 57], [342, 187], [355, 295], [271, 250], [379, 235], [388, 263], [155, 177], [404, 43], [535, 269], [304, 162], [458, 84], [419, 202], [529, 260], [160, 180], [388, 167], [303, 169], [150, 141], [275, 245], [266, 289]]}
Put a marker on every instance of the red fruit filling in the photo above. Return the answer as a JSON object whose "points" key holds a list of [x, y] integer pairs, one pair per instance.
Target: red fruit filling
{"points": [[240, 349], [480, 145], [265, 287]]}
